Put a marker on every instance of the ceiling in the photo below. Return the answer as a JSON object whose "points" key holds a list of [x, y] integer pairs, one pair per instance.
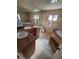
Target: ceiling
{"points": [[31, 5]]}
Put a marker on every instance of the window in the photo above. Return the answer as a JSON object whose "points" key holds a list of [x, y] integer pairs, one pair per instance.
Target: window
{"points": [[36, 17], [50, 17], [18, 16], [53, 17]]}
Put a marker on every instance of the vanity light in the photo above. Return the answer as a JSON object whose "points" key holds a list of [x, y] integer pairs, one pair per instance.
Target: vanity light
{"points": [[36, 10], [36, 17]]}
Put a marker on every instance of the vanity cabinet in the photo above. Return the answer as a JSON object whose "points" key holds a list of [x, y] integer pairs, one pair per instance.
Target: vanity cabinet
{"points": [[27, 45], [55, 41]]}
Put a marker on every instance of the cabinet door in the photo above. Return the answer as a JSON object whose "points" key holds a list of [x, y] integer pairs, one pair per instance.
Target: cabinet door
{"points": [[53, 44], [22, 43]]}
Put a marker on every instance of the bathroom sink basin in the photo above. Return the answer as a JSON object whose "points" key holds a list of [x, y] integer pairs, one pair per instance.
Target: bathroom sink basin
{"points": [[28, 27], [21, 34]]}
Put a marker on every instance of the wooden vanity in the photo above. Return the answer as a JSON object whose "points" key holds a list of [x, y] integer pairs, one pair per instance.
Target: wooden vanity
{"points": [[27, 44], [55, 41]]}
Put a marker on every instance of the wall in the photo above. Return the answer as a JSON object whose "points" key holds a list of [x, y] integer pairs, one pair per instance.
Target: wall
{"points": [[44, 18], [36, 22], [57, 24], [24, 16]]}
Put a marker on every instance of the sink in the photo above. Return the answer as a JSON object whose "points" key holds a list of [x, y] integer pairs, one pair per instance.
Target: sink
{"points": [[21, 34], [28, 27], [20, 55]]}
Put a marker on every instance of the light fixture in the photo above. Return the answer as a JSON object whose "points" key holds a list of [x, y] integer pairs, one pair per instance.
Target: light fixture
{"points": [[36, 17], [36, 10], [53, 1]]}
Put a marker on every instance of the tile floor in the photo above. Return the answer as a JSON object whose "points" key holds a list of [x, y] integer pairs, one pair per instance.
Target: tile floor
{"points": [[43, 49]]}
